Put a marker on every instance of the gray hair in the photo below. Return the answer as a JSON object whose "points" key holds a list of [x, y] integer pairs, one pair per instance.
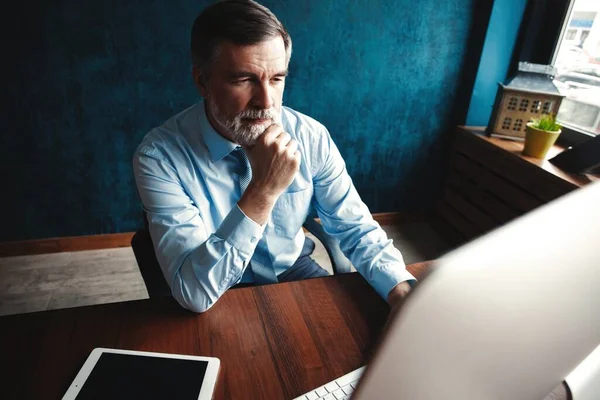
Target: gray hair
{"points": [[242, 22]]}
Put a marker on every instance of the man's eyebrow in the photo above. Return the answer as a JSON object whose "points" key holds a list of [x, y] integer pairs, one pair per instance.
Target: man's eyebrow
{"points": [[241, 74], [282, 73], [248, 74]]}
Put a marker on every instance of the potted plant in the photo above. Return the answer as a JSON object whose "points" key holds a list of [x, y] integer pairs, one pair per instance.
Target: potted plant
{"points": [[540, 135]]}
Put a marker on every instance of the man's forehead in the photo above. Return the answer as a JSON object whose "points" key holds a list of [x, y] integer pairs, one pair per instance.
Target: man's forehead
{"points": [[269, 54]]}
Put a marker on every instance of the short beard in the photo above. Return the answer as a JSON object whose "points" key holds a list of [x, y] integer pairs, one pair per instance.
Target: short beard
{"points": [[243, 133]]}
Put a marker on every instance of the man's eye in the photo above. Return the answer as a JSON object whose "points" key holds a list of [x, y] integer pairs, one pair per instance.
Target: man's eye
{"points": [[239, 82]]}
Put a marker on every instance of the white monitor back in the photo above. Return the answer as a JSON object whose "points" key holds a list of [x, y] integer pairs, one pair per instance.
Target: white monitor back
{"points": [[507, 316]]}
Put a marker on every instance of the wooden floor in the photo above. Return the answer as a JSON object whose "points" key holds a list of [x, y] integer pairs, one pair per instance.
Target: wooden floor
{"points": [[73, 279]]}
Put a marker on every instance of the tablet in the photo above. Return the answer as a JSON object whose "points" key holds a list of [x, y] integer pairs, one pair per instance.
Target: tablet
{"points": [[582, 158], [126, 374]]}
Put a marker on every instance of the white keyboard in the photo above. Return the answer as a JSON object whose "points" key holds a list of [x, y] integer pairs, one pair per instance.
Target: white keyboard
{"points": [[338, 389]]}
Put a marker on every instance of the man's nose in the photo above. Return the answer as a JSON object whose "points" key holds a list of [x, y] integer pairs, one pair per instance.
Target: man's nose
{"points": [[262, 97]]}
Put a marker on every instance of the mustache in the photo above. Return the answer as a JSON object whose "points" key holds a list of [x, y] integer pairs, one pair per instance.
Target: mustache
{"points": [[258, 114]]}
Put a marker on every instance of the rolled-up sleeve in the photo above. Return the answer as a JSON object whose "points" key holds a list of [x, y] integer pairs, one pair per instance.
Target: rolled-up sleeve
{"points": [[346, 218], [198, 265]]}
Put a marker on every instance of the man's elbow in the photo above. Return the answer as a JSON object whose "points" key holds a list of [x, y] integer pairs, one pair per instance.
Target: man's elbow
{"points": [[198, 302], [197, 307], [191, 294]]}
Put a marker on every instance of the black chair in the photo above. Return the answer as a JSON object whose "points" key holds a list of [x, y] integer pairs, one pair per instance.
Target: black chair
{"points": [[157, 286]]}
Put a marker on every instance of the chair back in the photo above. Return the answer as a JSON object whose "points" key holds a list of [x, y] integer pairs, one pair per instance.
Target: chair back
{"points": [[152, 274]]}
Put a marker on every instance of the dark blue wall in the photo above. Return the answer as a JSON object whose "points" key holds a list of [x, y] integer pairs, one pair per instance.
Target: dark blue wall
{"points": [[86, 80]]}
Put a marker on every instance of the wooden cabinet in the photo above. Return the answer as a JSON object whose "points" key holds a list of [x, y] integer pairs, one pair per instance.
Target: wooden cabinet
{"points": [[489, 183]]}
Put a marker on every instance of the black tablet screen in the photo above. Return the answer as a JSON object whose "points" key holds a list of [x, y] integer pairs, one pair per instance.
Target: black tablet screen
{"points": [[124, 376]]}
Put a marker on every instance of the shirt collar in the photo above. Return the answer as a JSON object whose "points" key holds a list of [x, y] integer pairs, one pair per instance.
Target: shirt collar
{"points": [[218, 146]]}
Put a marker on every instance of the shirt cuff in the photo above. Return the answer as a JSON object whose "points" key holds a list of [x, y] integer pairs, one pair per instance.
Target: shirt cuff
{"points": [[240, 231], [386, 277]]}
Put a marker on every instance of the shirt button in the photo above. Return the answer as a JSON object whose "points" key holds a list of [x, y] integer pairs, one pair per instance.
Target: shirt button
{"points": [[253, 240]]}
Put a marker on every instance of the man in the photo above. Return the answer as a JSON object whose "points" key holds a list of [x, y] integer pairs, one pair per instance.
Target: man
{"points": [[228, 183]]}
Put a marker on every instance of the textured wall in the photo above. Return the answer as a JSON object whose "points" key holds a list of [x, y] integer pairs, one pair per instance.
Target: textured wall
{"points": [[86, 80]]}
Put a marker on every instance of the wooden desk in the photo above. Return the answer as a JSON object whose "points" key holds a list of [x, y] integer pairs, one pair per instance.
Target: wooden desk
{"points": [[275, 342]]}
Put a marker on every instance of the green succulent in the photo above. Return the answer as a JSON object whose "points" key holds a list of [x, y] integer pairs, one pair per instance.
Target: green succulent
{"points": [[546, 122]]}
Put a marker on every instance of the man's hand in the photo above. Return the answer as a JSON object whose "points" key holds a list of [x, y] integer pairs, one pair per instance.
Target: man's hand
{"points": [[395, 299], [398, 293], [275, 160]]}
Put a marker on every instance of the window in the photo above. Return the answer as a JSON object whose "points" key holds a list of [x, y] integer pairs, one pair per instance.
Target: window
{"points": [[577, 60], [571, 33], [584, 35], [524, 105], [547, 107], [518, 126]]}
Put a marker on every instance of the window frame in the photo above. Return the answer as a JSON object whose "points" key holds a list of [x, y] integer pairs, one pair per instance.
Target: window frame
{"points": [[570, 135]]}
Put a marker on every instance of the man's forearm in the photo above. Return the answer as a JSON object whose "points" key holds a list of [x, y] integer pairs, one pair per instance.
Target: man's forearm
{"points": [[198, 285], [207, 273], [200, 272], [256, 204]]}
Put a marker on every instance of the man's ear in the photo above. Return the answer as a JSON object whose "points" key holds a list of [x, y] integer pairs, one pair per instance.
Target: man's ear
{"points": [[199, 80]]}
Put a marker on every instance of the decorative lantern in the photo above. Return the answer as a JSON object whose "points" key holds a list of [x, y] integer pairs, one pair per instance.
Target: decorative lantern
{"points": [[527, 95]]}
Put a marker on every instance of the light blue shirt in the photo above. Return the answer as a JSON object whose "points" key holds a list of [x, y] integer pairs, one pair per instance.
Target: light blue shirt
{"points": [[187, 180]]}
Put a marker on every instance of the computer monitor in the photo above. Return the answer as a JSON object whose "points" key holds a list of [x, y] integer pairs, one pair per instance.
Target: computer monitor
{"points": [[507, 316]]}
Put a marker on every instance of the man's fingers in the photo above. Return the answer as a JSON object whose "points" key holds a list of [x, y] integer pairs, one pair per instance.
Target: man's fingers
{"points": [[292, 148], [271, 133], [293, 153], [283, 139]]}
